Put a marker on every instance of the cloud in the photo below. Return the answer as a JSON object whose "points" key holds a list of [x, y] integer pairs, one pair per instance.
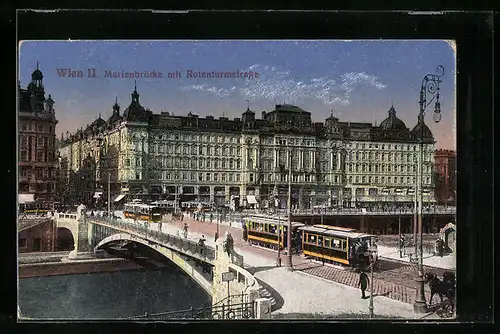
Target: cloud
{"points": [[278, 84]]}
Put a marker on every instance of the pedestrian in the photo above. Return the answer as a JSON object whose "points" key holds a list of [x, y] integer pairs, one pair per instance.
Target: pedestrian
{"points": [[201, 244], [229, 243], [245, 233], [211, 217], [363, 283], [186, 230], [216, 236]]}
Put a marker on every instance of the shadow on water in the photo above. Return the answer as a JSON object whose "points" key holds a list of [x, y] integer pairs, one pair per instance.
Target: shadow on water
{"points": [[110, 295]]}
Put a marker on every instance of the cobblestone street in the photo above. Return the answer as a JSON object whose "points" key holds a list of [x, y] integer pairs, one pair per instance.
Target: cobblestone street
{"points": [[392, 279]]}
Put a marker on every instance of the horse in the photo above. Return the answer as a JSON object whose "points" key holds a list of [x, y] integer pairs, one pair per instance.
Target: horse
{"points": [[445, 287]]}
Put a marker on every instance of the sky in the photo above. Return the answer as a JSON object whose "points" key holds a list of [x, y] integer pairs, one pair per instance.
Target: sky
{"points": [[357, 80]]}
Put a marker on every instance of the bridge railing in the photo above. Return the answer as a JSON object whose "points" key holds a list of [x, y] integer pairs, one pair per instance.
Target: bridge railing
{"points": [[223, 311], [351, 211], [183, 244]]}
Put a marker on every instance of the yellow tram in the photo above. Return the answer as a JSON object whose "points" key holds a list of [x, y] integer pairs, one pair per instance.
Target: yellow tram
{"points": [[264, 232], [144, 212], [334, 244]]}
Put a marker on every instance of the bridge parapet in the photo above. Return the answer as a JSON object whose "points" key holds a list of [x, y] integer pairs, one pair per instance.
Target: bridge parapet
{"points": [[227, 263], [179, 244]]}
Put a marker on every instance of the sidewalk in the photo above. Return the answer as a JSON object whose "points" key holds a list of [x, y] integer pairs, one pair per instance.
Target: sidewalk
{"points": [[445, 262]]}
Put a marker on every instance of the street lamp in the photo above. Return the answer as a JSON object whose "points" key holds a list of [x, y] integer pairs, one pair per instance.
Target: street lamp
{"points": [[430, 85], [372, 251]]}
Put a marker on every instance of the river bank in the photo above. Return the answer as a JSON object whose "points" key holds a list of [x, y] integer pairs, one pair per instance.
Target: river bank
{"points": [[76, 267]]}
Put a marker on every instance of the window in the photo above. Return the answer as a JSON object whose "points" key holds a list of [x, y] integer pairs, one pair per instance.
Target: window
{"points": [[40, 128], [137, 176], [200, 176], [237, 177], [251, 177], [137, 161], [24, 155], [184, 176], [308, 178], [208, 176], [216, 177], [40, 156], [230, 177], [223, 177], [37, 244], [22, 242]]}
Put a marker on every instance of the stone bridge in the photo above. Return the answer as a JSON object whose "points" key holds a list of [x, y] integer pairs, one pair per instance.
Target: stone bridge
{"points": [[91, 233]]}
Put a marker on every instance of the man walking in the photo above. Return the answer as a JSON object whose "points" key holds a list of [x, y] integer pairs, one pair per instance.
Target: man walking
{"points": [[363, 283], [185, 230]]}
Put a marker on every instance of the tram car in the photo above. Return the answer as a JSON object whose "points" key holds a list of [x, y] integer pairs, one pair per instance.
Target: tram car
{"points": [[264, 232], [339, 245], [35, 208], [143, 212], [165, 206]]}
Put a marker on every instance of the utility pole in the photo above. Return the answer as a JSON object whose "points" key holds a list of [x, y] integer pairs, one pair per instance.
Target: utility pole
{"points": [[400, 243], [109, 193], [289, 230]]}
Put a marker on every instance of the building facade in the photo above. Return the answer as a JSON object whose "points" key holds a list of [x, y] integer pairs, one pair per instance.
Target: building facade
{"points": [[36, 139], [446, 175], [251, 160]]}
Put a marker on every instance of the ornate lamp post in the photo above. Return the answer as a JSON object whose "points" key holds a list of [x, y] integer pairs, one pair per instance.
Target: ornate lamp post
{"points": [[430, 85], [289, 229]]}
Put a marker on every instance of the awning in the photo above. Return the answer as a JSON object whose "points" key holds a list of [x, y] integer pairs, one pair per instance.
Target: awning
{"points": [[98, 194], [26, 198], [119, 198], [251, 199]]}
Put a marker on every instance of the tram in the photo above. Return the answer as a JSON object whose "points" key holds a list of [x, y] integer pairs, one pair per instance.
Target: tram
{"points": [[144, 212], [335, 244], [38, 208], [264, 232], [165, 206]]}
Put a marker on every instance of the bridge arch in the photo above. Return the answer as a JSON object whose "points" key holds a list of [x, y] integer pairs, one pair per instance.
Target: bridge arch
{"points": [[202, 279], [64, 239], [71, 225]]}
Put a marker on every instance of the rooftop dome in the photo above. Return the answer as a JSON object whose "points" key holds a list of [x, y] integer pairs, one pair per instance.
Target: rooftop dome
{"points": [[421, 129], [392, 122]]}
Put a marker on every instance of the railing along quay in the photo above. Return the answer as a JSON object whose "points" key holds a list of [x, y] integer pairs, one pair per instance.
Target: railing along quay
{"points": [[347, 212], [161, 238], [230, 308]]}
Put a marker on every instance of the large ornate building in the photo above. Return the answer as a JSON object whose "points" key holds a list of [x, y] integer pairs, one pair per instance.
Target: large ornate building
{"points": [[37, 151], [249, 159], [446, 174]]}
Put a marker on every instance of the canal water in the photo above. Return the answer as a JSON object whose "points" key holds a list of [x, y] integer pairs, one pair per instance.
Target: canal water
{"points": [[110, 295]]}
